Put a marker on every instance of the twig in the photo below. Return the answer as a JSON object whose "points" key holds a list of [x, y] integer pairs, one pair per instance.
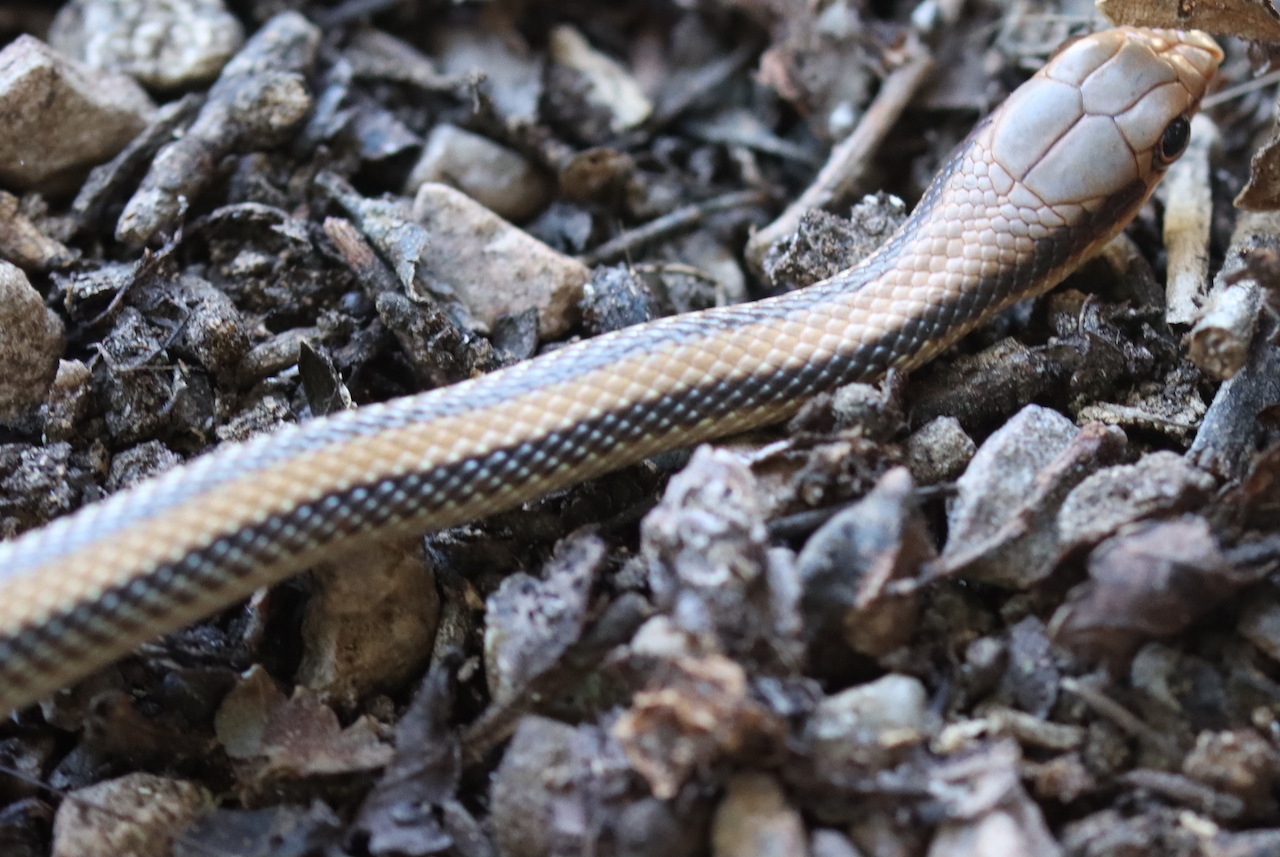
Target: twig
{"points": [[1241, 89], [1220, 339], [668, 224], [1188, 214], [1120, 716], [1225, 443], [847, 166]]}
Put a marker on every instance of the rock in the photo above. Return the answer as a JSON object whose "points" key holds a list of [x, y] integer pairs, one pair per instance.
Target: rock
{"points": [[24, 244], [512, 72], [162, 44], [1161, 484], [61, 117], [755, 820], [30, 344], [523, 796], [69, 400], [849, 566], [608, 85], [939, 451], [492, 175], [370, 625], [139, 463], [1003, 472], [1002, 523], [138, 815], [496, 268], [872, 712]]}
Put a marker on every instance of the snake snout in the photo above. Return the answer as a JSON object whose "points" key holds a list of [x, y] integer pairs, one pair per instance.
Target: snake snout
{"points": [[1104, 117]]}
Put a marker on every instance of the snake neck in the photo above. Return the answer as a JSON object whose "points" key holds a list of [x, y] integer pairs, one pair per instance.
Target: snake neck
{"points": [[970, 249]]}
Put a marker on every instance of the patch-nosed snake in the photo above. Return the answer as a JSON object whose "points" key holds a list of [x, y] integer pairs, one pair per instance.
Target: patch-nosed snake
{"points": [[1040, 185]]}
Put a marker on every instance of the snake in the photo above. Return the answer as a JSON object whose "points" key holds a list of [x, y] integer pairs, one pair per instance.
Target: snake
{"points": [[1038, 186]]}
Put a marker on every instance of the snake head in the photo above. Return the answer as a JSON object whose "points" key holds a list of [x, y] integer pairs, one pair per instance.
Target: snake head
{"points": [[1093, 131]]}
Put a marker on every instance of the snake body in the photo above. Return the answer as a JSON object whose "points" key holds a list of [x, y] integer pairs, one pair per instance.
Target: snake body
{"points": [[1041, 184]]}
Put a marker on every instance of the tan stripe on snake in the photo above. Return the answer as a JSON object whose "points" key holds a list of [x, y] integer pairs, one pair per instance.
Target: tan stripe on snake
{"points": [[1039, 186]]}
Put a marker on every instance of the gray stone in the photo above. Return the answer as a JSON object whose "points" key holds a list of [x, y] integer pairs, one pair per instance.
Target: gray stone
{"points": [[495, 268], [492, 175], [61, 117], [163, 44], [939, 451]]}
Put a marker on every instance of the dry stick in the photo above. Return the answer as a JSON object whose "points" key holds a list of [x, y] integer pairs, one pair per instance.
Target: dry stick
{"points": [[1225, 442], [1240, 89], [677, 221], [1219, 342], [1187, 217], [1119, 715], [847, 166]]}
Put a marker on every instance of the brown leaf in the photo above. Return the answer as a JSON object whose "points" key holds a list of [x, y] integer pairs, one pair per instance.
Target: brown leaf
{"points": [[278, 741], [1262, 191], [1152, 581]]}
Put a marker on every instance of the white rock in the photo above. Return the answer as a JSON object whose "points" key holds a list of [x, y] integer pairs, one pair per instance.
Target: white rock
{"points": [[495, 268], [492, 175], [865, 713], [612, 86]]}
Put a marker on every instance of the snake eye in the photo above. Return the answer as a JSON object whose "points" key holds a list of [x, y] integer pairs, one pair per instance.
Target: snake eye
{"points": [[1173, 142]]}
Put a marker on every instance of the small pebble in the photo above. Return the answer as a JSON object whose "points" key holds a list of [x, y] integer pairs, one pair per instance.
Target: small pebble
{"points": [[162, 44], [61, 117], [496, 268], [755, 820], [871, 712], [610, 86], [511, 70], [69, 399], [30, 344], [939, 451], [492, 175]]}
